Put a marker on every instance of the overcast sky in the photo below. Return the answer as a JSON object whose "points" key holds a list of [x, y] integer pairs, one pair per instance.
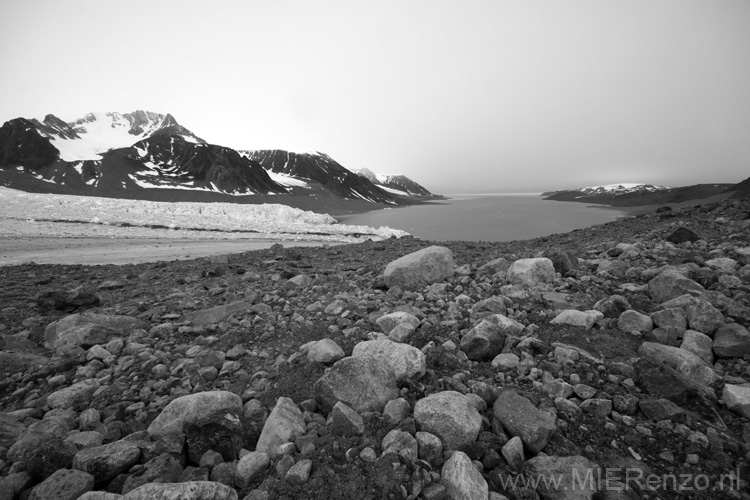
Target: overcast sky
{"points": [[461, 96]]}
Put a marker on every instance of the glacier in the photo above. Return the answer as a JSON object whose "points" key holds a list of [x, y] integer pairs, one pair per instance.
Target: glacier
{"points": [[122, 217]]}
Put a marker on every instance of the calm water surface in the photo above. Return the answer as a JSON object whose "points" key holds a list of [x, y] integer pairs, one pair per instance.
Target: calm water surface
{"points": [[487, 218]]}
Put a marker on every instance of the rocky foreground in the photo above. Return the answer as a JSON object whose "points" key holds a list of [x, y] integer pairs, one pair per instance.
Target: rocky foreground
{"points": [[611, 362]]}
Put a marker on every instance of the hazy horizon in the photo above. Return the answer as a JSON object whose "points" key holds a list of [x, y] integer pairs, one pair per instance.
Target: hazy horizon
{"points": [[473, 97]]}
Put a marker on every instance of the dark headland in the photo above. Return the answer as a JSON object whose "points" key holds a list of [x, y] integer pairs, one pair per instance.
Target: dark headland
{"points": [[617, 362]]}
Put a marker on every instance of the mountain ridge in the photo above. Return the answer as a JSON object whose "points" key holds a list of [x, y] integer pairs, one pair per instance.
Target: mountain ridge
{"points": [[149, 155]]}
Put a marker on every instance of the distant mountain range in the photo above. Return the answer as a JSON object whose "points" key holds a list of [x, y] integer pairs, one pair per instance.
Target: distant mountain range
{"points": [[632, 195], [146, 155]]}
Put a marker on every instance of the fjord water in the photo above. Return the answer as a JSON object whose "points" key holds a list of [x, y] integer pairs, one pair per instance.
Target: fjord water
{"points": [[500, 217]]}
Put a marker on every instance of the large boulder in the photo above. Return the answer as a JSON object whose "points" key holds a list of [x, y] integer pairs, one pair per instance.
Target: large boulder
{"points": [[88, 329], [684, 362], [195, 409], [732, 341], [670, 284], [63, 484], [283, 425], [403, 360], [450, 416], [363, 383], [419, 269], [531, 272], [521, 418]]}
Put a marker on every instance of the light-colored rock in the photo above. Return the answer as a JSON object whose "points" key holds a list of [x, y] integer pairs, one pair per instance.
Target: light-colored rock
{"points": [[419, 269], [100, 495], [325, 351], [567, 478], [699, 344], [299, 473], [63, 484], [633, 321], [513, 452], [77, 394], [283, 425], [737, 398], [505, 361], [521, 418], [462, 480], [250, 467], [724, 264], [405, 361], [573, 317], [684, 362], [400, 442], [299, 281], [217, 314], [703, 317], [566, 356], [450, 416], [193, 409], [671, 317], [430, 447], [670, 284], [401, 333], [531, 272], [190, 490], [731, 341], [508, 326], [388, 322], [363, 383]]}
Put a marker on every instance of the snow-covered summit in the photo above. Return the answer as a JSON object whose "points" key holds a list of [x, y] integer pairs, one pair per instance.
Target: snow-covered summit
{"points": [[87, 138]]}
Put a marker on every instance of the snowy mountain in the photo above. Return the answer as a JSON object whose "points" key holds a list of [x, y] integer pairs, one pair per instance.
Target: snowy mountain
{"points": [[396, 184], [635, 194], [146, 155]]}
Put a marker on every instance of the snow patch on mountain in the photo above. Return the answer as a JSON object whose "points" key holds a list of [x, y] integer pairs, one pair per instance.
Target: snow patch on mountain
{"points": [[97, 133], [272, 220]]}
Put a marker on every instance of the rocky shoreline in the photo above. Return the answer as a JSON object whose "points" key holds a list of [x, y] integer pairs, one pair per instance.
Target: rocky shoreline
{"points": [[609, 362]]}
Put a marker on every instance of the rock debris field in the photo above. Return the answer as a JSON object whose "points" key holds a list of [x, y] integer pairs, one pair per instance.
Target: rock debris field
{"points": [[612, 362]]}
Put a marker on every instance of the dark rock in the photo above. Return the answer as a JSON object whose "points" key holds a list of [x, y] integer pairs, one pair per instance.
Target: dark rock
{"points": [[50, 457], [659, 409], [682, 235], [483, 342], [68, 300]]}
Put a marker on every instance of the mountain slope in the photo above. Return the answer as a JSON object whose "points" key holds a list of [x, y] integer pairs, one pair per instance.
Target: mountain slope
{"points": [[398, 184], [323, 169]]}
